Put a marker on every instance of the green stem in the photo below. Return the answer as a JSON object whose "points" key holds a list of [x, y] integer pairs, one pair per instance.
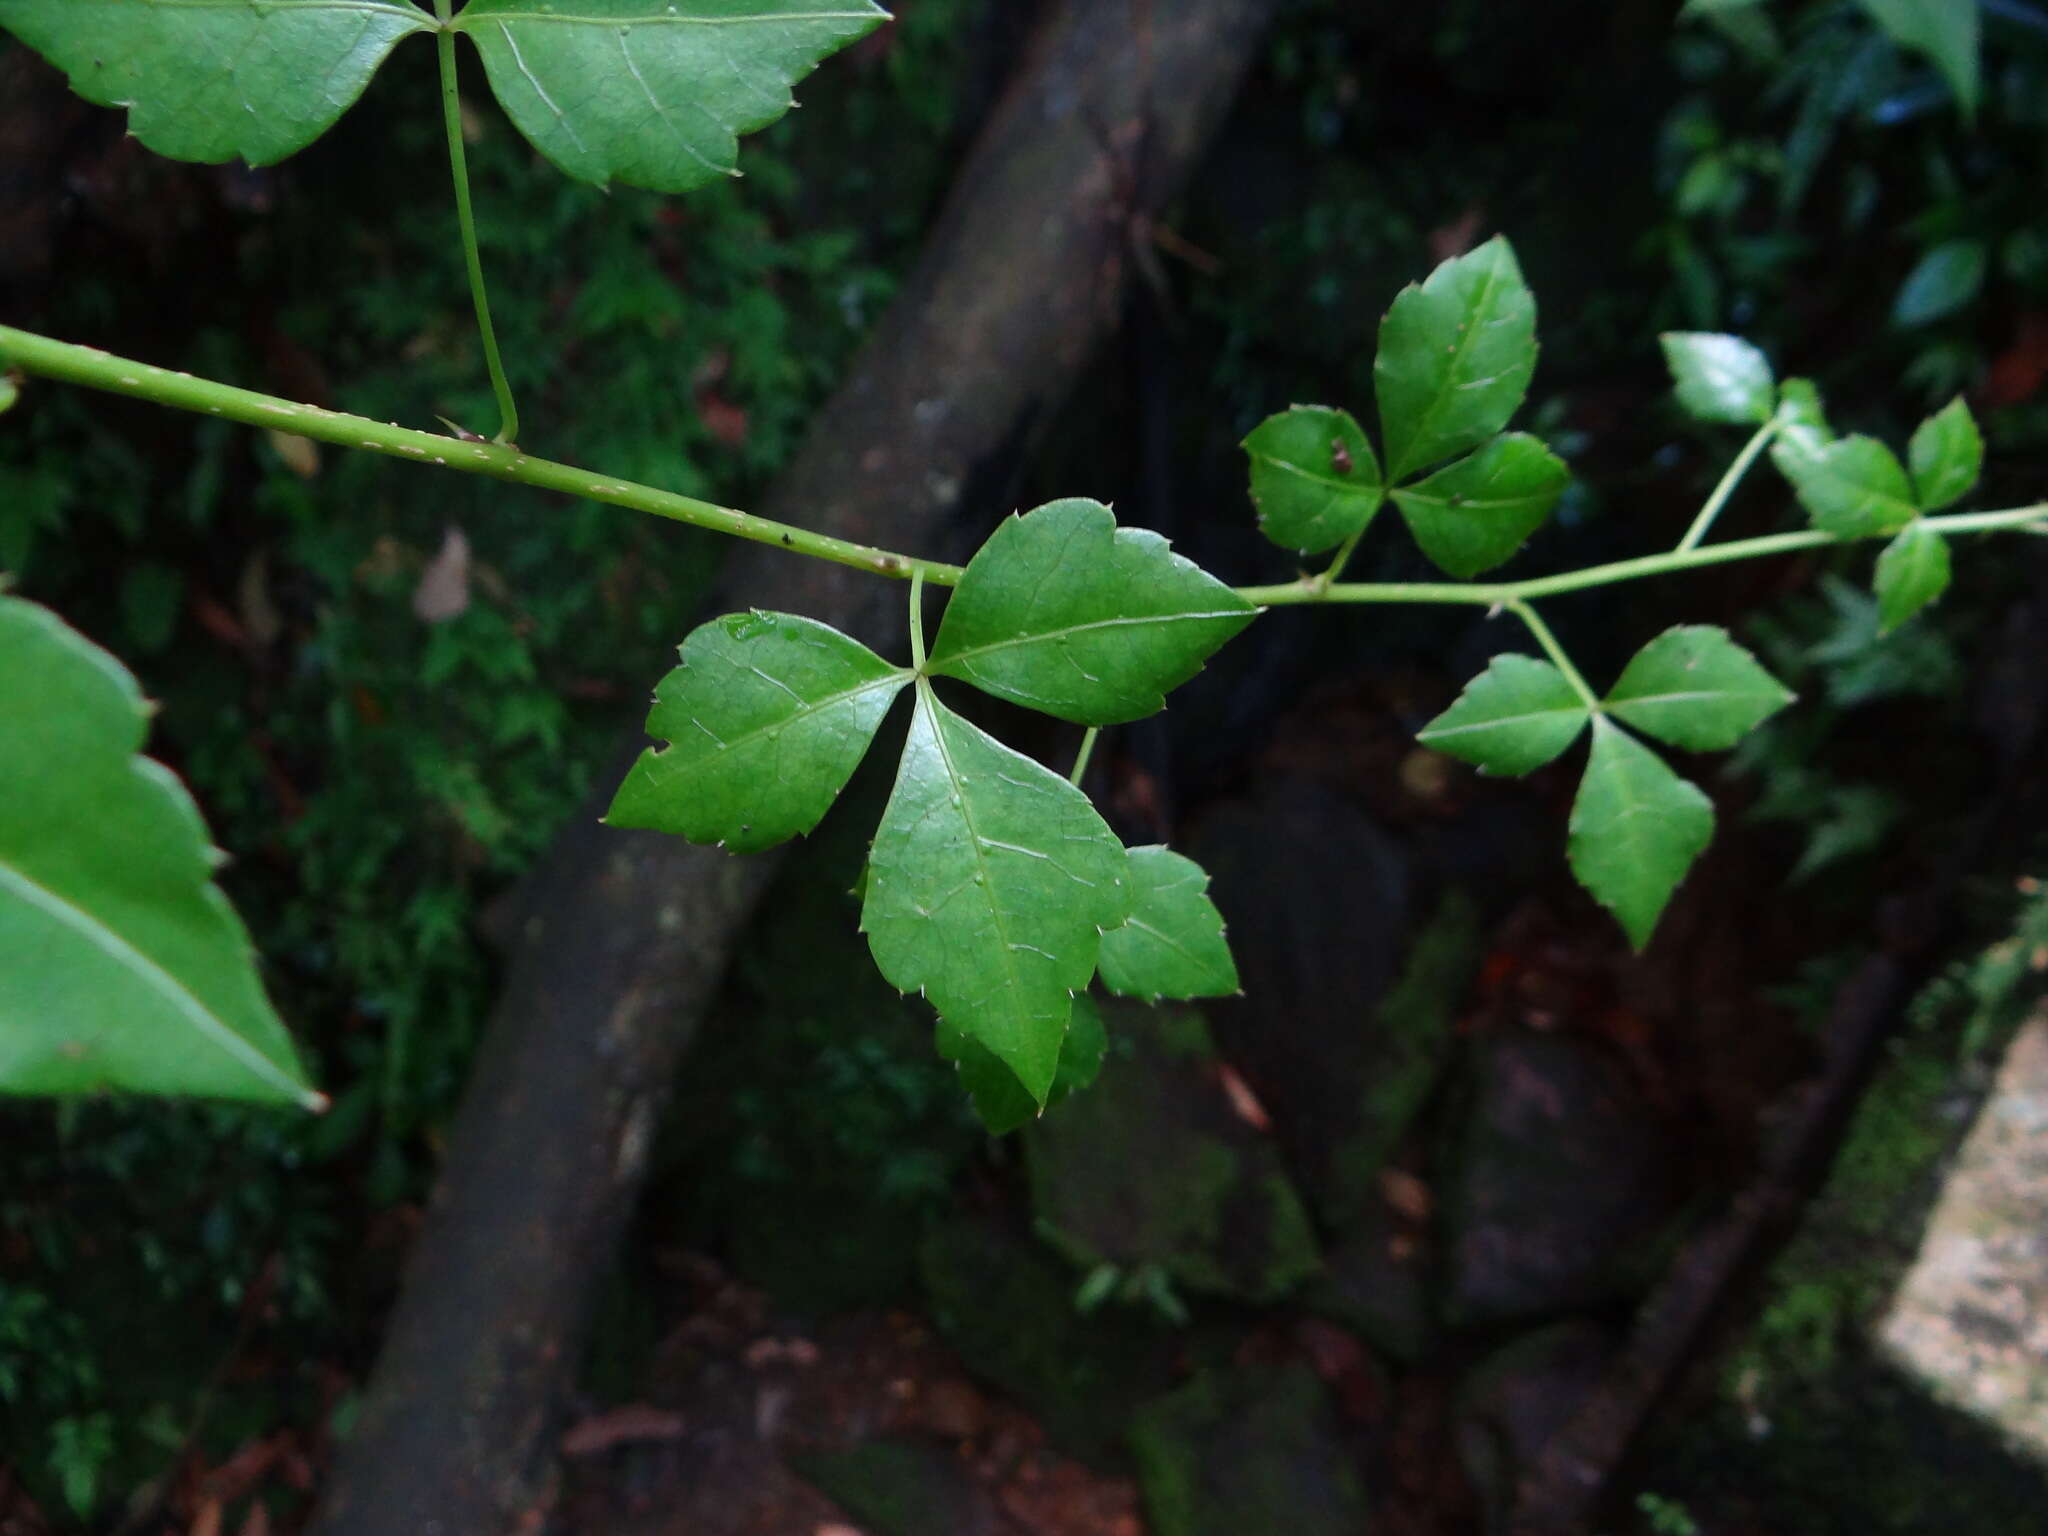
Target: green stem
{"points": [[1719, 499], [917, 622], [1081, 758], [1341, 559], [1491, 594], [458, 160], [1554, 651], [40, 356]]}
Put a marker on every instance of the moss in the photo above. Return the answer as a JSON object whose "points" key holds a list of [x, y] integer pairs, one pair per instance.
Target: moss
{"points": [[1247, 1450], [892, 1487]]}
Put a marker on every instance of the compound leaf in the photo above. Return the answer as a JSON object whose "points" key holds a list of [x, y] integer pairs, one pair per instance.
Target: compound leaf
{"points": [[1719, 378], [212, 79], [999, 1099], [653, 92], [121, 963], [1172, 945], [1947, 452], [1636, 827], [1511, 719], [1315, 479], [1911, 573], [1062, 611], [1455, 356], [1850, 487], [1944, 30], [1470, 516], [766, 719], [989, 885], [1696, 688]]}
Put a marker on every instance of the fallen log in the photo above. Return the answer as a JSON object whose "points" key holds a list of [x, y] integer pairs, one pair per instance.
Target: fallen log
{"points": [[615, 957]]}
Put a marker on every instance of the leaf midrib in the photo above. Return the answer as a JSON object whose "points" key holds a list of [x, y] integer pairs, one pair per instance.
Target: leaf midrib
{"points": [[806, 710], [1043, 636], [468, 21], [96, 932], [1498, 721]]}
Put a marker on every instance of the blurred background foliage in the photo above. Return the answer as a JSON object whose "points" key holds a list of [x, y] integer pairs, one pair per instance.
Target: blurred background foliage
{"points": [[388, 688]]}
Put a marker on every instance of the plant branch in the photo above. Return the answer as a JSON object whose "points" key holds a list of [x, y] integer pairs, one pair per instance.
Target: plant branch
{"points": [[1719, 499], [458, 161], [1492, 594], [73, 364]]}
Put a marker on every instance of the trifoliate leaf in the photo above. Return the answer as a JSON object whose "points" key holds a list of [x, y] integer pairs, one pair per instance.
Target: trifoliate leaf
{"points": [[1456, 353], [1946, 453], [1470, 516], [653, 92], [1511, 719], [1695, 688], [1801, 418], [767, 717], [1850, 487], [1719, 378], [1000, 1101], [1944, 30], [1062, 611], [989, 885], [1172, 945], [1315, 479], [122, 966], [1636, 827], [212, 79], [1911, 573]]}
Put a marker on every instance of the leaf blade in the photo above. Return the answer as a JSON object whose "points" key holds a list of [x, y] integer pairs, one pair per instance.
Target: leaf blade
{"points": [[1719, 378], [1695, 688], [1172, 944], [1514, 717], [1456, 353], [1000, 1101], [766, 719], [1636, 828], [989, 884], [1912, 572], [213, 80], [1944, 30], [1315, 479], [1946, 456], [1476, 513], [122, 964], [1064, 612], [1851, 487], [585, 82]]}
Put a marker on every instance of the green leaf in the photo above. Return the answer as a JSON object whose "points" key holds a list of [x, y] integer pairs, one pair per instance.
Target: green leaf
{"points": [[1511, 719], [1455, 357], [1911, 573], [121, 963], [1470, 516], [1062, 611], [212, 79], [767, 717], [1941, 282], [1315, 479], [1802, 420], [653, 92], [1636, 828], [1719, 378], [1850, 487], [1946, 453], [989, 885], [1172, 945], [1944, 30], [1695, 688], [1000, 1101]]}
